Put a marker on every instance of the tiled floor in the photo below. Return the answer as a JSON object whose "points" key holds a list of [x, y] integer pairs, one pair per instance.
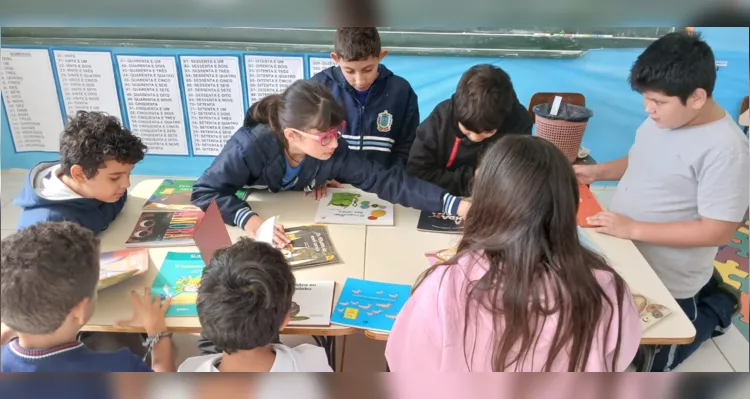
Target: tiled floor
{"points": [[727, 353]]}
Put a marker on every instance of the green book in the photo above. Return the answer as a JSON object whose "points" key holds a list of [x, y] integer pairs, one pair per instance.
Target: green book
{"points": [[174, 195]]}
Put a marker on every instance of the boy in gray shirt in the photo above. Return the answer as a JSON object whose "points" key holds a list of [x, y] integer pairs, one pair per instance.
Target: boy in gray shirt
{"points": [[683, 185]]}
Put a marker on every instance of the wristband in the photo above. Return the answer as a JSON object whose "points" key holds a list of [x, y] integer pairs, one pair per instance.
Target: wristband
{"points": [[151, 341]]}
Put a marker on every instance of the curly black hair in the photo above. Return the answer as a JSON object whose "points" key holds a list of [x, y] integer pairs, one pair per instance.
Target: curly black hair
{"points": [[46, 270], [92, 138]]}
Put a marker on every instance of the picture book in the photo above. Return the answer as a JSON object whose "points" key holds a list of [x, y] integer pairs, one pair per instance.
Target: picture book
{"points": [[175, 195], [352, 206], [179, 278], [650, 311], [161, 229], [312, 303], [439, 223], [118, 266], [589, 205], [441, 256], [369, 305], [310, 246]]}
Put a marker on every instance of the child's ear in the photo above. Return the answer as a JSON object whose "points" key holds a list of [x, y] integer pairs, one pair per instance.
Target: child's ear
{"points": [[287, 317], [335, 57], [382, 55], [76, 172], [698, 99]]}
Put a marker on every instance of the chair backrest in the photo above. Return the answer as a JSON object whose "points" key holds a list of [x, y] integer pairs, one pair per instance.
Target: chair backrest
{"points": [[745, 104], [541, 98]]}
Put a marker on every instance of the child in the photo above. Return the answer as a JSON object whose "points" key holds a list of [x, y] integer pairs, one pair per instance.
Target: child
{"points": [[89, 184], [683, 186], [49, 275], [452, 138], [291, 142], [522, 293], [382, 113], [243, 302]]}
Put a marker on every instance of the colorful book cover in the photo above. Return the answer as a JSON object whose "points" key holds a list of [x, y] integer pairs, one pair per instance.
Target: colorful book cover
{"points": [[370, 305], [312, 303], [118, 266], [160, 229], [438, 222], [650, 311], [310, 246], [175, 195], [179, 278], [588, 206], [352, 206]]}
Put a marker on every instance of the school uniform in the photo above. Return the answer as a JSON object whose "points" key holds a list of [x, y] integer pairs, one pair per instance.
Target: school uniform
{"points": [[254, 157], [46, 198], [304, 358], [73, 357], [381, 121], [441, 154]]}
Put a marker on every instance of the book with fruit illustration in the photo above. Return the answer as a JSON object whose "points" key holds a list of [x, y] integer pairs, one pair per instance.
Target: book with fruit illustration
{"points": [[651, 312], [352, 206]]}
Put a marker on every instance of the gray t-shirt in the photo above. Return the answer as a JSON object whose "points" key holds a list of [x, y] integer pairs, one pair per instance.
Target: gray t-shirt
{"points": [[680, 175]]}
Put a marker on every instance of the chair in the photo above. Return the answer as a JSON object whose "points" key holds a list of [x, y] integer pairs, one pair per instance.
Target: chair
{"points": [[541, 98], [743, 108]]}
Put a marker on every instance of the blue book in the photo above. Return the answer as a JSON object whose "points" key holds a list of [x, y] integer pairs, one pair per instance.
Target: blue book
{"points": [[179, 278], [369, 305]]}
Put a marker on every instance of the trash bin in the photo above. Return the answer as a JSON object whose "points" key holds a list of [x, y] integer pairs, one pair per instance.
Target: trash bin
{"points": [[564, 130]]}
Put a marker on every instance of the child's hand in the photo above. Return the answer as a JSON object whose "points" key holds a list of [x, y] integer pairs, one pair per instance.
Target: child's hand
{"points": [[321, 192], [613, 224], [586, 174], [279, 238], [147, 312], [463, 208]]}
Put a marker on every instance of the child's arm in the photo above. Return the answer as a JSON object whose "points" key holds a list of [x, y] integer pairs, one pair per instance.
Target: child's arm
{"points": [[408, 132], [235, 166], [149, 313], [608, 171], [425, 162]]}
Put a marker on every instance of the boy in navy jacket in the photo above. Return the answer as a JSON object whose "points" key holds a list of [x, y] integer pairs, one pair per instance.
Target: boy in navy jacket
{"points": [[89, 184], [381, 108]]}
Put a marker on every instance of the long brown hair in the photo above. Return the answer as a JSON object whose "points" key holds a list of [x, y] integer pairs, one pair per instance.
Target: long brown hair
{"points": [[523, 219], [304, 105]]}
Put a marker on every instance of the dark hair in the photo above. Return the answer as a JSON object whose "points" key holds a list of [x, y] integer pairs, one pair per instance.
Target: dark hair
{"points": [[523, 220], [304, 105], [245, 293], [357, 44], [47, 269], [676, 64], [92, 138], [484, 97]]}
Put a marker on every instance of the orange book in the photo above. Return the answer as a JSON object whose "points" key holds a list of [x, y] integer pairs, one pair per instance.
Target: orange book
{"points": [[589, 205]]}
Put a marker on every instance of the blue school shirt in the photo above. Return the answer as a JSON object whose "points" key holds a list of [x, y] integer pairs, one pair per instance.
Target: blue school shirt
{"points": [[72, 357], [362, 96], [290, 174]]}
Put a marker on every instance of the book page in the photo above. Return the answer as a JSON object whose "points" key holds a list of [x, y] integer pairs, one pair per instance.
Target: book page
{"points": [[352, 206], [312, 303]]}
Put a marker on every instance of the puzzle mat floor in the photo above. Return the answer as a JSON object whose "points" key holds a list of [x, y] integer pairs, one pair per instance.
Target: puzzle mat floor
{"points": [[732, 264]]}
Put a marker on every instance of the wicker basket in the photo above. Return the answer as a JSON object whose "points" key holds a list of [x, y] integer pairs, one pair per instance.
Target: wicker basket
{"points": [[567, 136]]}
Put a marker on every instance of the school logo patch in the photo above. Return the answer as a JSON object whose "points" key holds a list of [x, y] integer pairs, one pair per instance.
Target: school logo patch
{"points": [[385, 120]]}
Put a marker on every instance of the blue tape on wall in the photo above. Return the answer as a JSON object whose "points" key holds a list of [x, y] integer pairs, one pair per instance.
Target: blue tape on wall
{"points": [[601, 75]]}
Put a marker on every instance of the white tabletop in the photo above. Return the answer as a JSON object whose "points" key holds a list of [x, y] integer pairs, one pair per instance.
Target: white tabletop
{"points": [[294, 208], [396, 255]]}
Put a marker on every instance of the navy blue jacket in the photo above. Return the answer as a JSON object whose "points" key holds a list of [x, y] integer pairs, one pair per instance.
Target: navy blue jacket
{"points": [[90, 213], [254, 157], [385, 125]]}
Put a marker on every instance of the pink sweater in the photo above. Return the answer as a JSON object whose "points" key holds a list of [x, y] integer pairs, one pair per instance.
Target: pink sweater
{"points": [[428, 334]]}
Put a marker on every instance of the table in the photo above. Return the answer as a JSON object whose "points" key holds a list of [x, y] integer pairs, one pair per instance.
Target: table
{"points": [[113, 303], [410, 245]]}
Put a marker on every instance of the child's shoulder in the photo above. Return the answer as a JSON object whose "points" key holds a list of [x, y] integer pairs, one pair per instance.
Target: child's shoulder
{"points": [[122, 360], [302, 358]]}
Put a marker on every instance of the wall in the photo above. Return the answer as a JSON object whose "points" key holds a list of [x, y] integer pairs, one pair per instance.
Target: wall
{"points": [[601, 75]]}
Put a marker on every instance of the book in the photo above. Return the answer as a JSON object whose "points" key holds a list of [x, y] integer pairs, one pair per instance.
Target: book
{"points": [[310, 245], [352, 206], [179, 278], [162, 229], [118, 266], [439, 222], [174, 194], [650, 311], [441, 256], [312, 303], [370, 305], [588, 206]]}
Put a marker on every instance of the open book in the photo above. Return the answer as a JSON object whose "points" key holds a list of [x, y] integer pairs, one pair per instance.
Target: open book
{"points": [[312, 303]]}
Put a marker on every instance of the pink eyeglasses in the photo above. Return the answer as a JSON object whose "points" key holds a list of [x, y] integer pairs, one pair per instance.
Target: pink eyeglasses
{"points": [[326, 137]]}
